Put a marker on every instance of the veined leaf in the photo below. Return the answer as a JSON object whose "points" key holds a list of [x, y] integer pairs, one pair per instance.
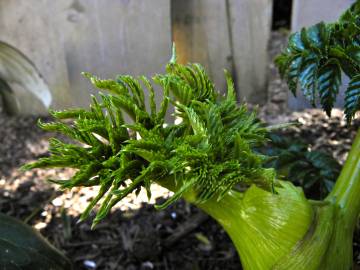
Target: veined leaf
{"points": [[317, 56], [348, 64], [329, 81], [293, 73], [317, 37], [296, 44], [308, 76], [352, 98]]}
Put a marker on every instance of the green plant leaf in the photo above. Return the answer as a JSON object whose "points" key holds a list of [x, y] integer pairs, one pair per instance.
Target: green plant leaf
{"points": [[293, 73], [308, 76], [317, 56], [296, 43], [329, 81], [352, 98]]}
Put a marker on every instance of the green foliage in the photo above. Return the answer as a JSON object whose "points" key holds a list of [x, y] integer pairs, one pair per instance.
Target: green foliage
{"points": [[205, 155], [23, 248], [316, 57], [315, 171], [352, 96]]}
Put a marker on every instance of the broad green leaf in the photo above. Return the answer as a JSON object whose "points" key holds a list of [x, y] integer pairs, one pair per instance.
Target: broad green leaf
{"points": [[22, 247]]}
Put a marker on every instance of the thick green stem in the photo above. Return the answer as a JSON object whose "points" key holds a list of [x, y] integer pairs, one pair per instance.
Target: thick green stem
{"points": [[346, 199], [346, 192], [263, 226], [287, 231]]}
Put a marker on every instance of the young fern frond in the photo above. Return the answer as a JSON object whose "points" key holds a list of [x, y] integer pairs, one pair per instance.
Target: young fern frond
{"points": [[206, 155], [316, 57]]}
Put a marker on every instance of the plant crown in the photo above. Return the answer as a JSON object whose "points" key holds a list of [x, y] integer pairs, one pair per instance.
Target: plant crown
{"points": [[206, 154]]}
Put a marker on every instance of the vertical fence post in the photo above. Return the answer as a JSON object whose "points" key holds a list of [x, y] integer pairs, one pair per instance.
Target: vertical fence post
{"points": [[250, 26], [231, 34], [201, 35]]}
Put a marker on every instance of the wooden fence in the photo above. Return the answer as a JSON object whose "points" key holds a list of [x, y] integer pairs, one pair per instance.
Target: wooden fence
{"points": [[64, 38], [60, 39], [46, 44], [227, 34]]}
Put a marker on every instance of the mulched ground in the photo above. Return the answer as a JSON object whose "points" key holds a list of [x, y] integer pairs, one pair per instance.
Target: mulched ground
{"points": [[135, 235]]}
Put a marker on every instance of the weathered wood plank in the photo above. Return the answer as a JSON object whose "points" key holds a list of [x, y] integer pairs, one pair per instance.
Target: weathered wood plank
{"points": [[250, 23], [200, 31], [64, 38], [115, 37], [306, 13], [29, 27], [226, 34]]}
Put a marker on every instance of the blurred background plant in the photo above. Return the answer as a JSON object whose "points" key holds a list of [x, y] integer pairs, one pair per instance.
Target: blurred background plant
{"points": [[314, 170]]}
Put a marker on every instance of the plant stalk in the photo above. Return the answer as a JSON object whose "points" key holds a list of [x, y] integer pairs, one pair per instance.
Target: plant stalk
{"points": [[263, 226], [287, 231], [346, 198], [346, 192]]}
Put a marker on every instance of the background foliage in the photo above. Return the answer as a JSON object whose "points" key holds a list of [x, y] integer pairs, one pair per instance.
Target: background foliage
{"points": [[317, 56]]}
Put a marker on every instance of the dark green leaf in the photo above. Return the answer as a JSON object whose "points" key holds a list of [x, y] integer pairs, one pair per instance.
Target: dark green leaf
{"points": [[329, 81], [352, 98], [308, 77]]}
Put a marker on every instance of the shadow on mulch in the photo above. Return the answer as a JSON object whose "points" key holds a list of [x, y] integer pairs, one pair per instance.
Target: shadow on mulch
{"points": [[180, 237], [18, 136]]}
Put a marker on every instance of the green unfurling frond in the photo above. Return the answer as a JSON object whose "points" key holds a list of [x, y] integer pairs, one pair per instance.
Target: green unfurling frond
{"points": [[207, 154]]}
